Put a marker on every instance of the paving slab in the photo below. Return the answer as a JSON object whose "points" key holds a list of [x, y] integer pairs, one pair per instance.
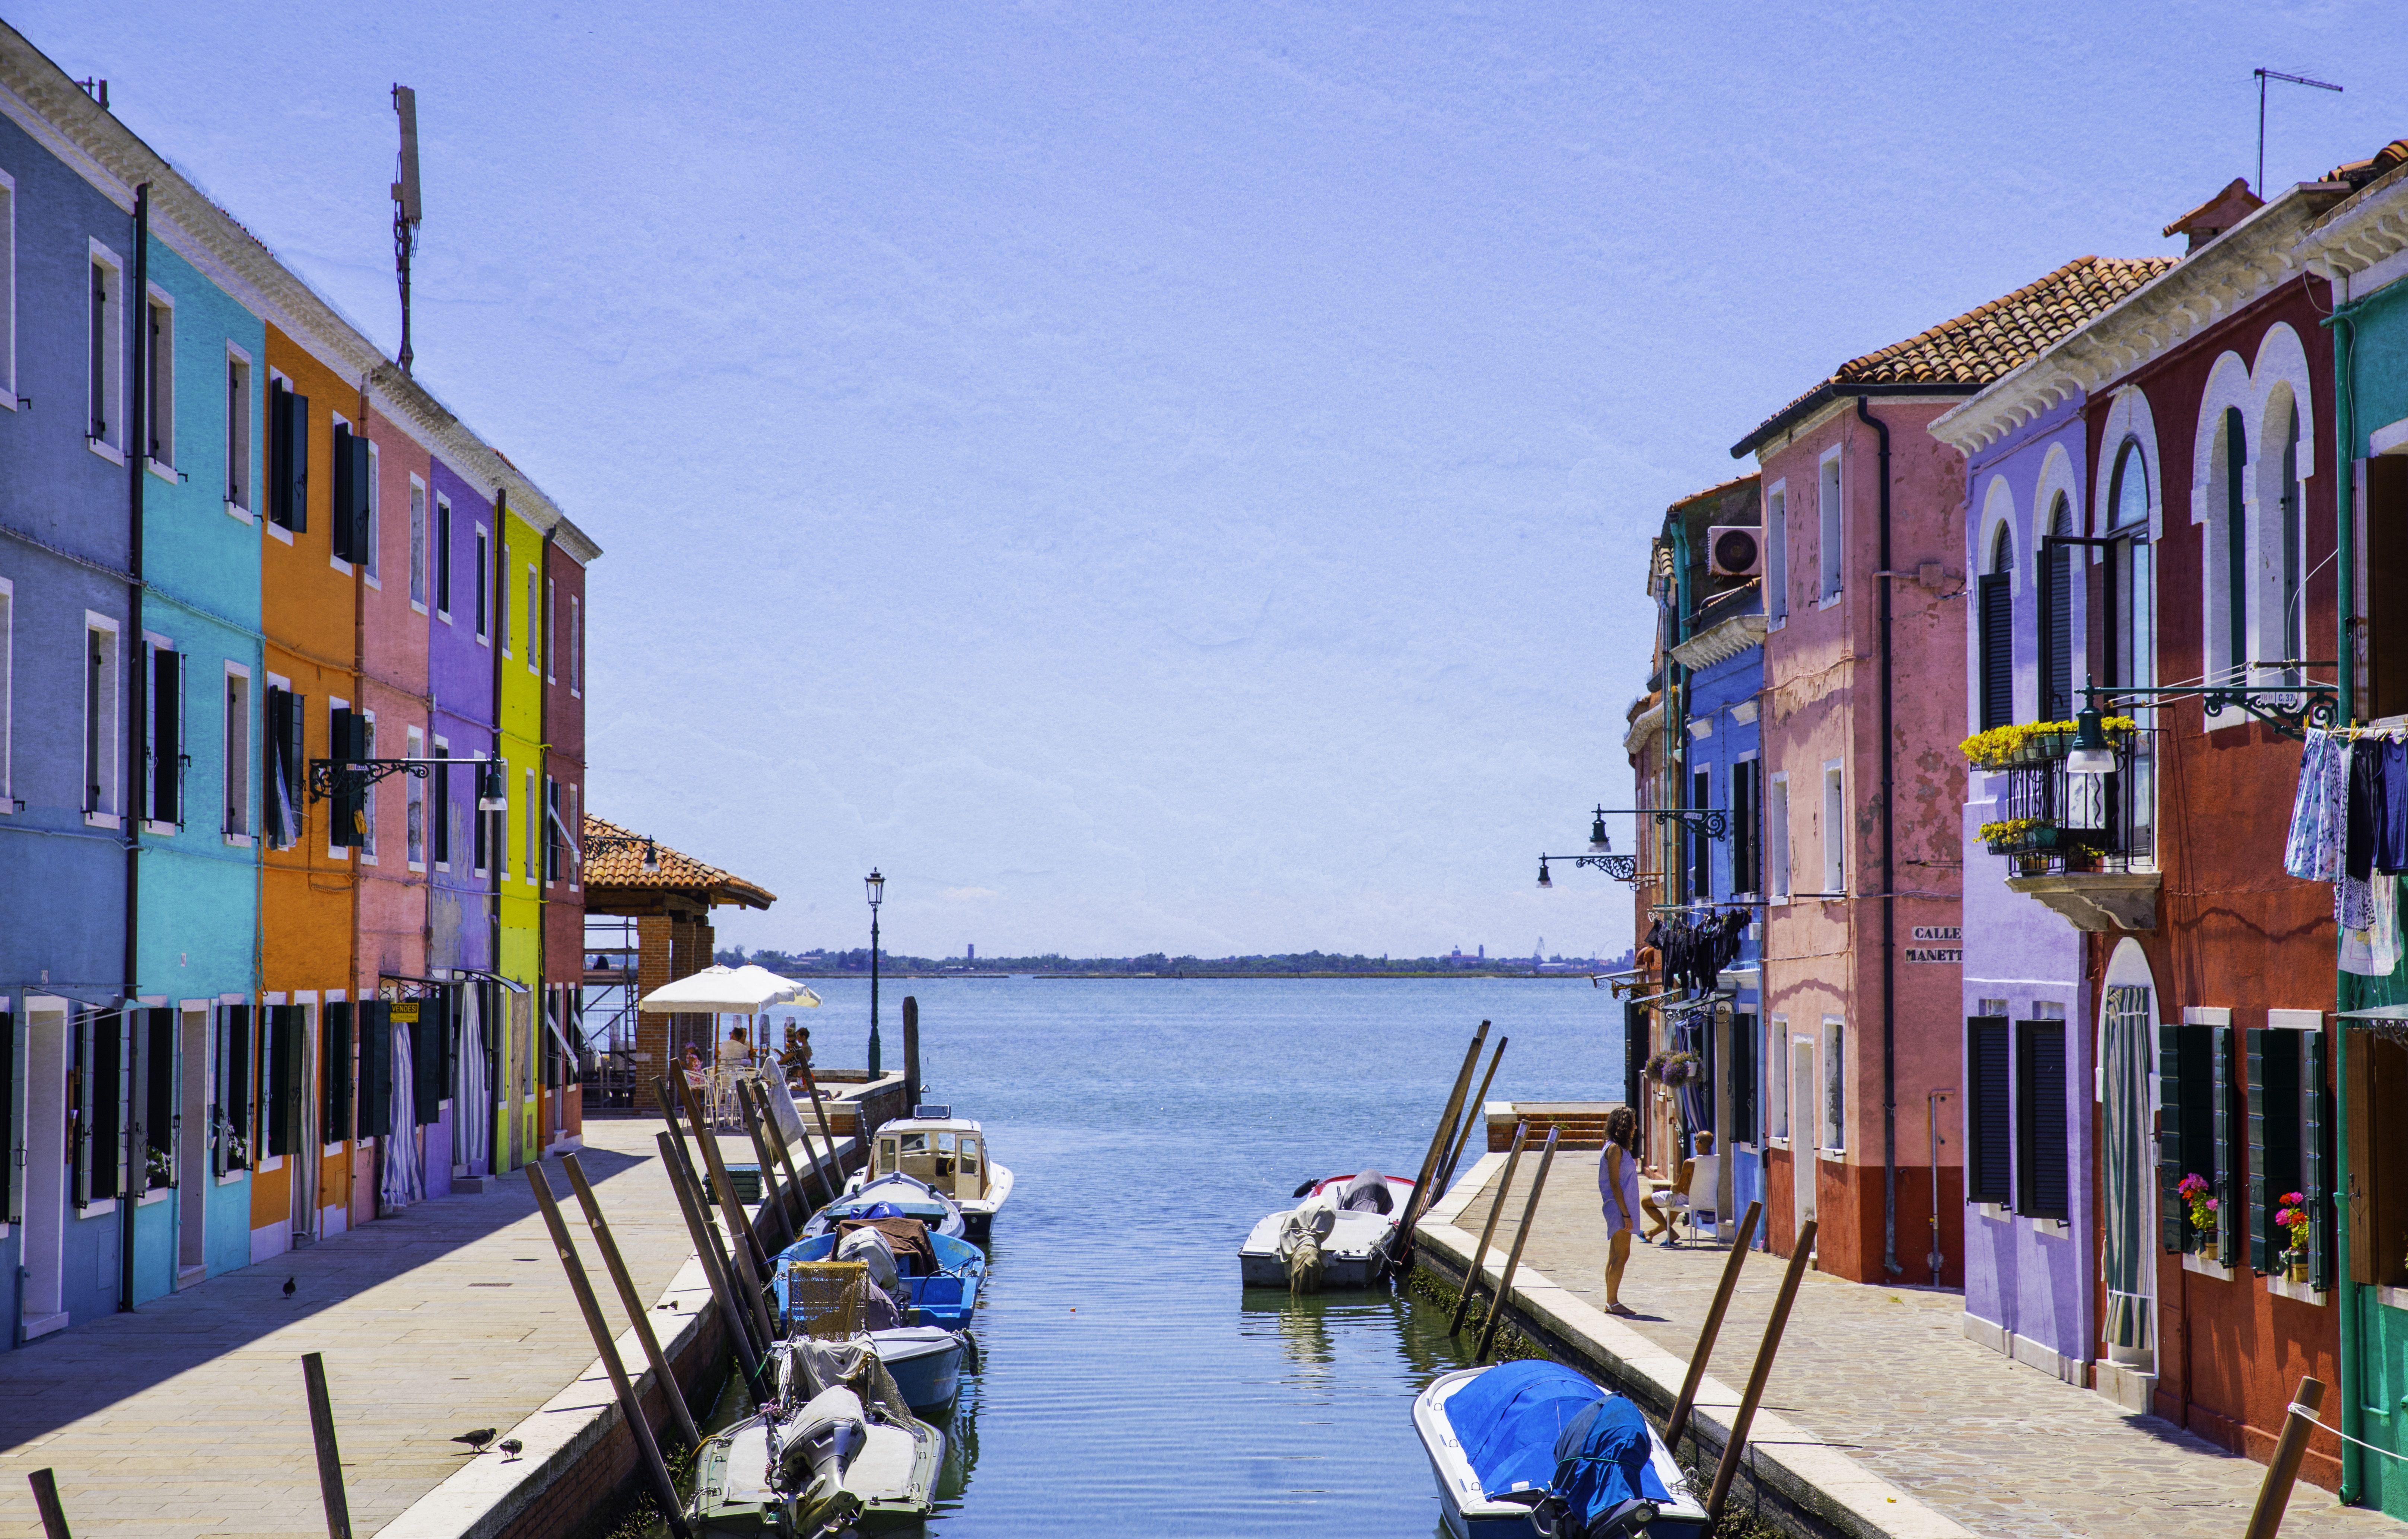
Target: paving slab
{"points": [[1887, 1375], [188, 1416]]}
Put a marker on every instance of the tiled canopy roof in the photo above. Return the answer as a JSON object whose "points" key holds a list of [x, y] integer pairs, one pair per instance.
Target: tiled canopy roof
{"points": [[1986, 342], [622, 865]]}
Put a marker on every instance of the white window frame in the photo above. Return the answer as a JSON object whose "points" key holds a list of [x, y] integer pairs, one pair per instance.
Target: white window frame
{"points": [[110, 323], [236, 752], [414, 800], [576, 647], [486, 589], [109, 775], [420, 543], [1776, 555], [533, 618], [8, 694], [334, 420], [484, 826], [575, 839], [372, 571], [1776, 1038], [550, 631], [368, 797], [153, 643], [533, 822], [160, 299], [1776, 839], [439, 554], [441, 804], [277, 531], [1832, 1058], [1835, 827], [242, 482], [8, 292], [1831, 526]]}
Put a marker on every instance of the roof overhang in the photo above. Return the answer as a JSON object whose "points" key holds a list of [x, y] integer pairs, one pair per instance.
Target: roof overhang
{"points": [[1722, 642], [1832, 391]]}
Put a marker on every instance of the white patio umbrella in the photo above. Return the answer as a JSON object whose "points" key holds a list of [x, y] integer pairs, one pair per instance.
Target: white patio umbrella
{"points": [[718, 991]]}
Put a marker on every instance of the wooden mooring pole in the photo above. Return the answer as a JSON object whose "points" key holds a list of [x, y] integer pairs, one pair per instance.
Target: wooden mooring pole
{"points": [[715, 1271], [606, 1346], [46, 1500], [827, 1139], [1727, 1471], [786, 1157], [773, 1196], [1514, 1259], [329, 1458], [751, 1257], [631, 1301], [2274, 1491], [1712, 1328], [1475, 1115], [1487, 1231], [911, 1055], [1419, 1198]]}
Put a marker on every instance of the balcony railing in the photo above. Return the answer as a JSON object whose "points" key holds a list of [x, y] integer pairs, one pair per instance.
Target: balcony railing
{"points": [[2052, 822]]}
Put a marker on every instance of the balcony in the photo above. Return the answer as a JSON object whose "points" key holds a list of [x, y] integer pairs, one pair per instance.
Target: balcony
{"points": [[2082, 845]]}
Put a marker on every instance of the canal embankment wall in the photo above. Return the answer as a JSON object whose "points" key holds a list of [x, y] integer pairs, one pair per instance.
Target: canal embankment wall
{"points": [[1791, 1477]]}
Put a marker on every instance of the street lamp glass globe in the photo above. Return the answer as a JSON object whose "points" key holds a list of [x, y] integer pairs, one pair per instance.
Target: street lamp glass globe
{"points": [[877, 885], [1544, 880], [1597, 839]]}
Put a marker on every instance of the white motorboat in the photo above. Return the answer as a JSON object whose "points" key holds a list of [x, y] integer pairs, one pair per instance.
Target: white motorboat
{"points": [[926, 1362], [1339, 1235], [828, 1465], [949, 1155], [909, 1196], [1530, 1450]]}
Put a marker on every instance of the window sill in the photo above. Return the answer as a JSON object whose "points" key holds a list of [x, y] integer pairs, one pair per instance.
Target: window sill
{"points": [[444, 615], [1829, 600], [417, 866], [273, 1163], [238, 841], [1990, 1210], [149, 1198], [230, 1177], [330, 1150], [2306, 1293], [153, 825], [371, 580], [417, 608], [165, 472], [2193, 1262], [1836, 1156], [278, 531], [100, 1209], [1777, 623], [100, 819], [367, 858], [235, 510], [339, 564], [106, 451], [1781, 1144], [2390, 1297]]}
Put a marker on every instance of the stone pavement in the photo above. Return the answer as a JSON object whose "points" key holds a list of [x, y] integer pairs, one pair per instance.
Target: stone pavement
{"points": [[1886, 1376], [188, 1416]]}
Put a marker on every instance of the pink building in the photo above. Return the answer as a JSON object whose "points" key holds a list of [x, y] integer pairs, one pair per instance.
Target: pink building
{"points": [[1863, 657]]}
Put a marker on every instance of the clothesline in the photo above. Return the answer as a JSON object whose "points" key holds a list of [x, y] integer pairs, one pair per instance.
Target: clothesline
{"points": [[2349, 827]]}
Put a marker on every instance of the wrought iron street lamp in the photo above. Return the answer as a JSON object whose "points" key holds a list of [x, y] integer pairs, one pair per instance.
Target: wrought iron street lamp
{"points": [[877, 886], [603, 844], [1706, 822]]}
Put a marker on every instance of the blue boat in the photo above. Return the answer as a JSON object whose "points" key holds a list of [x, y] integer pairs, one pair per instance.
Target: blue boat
{"points": [[946, 1298], [906, 1194], [1530, 1449]]}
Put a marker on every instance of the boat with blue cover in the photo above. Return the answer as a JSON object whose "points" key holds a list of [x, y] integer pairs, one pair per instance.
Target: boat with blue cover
{"points": [[906, 1194], [1532, 1450], [942, 1297]]}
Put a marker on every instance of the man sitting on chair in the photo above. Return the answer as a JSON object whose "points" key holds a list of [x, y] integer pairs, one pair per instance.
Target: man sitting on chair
{"points": [[1681, 1178]]}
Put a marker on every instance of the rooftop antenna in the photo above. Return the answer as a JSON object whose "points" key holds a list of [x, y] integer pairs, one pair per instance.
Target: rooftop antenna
{"points": [[406, 210], [2264, 75], [97, 88]]}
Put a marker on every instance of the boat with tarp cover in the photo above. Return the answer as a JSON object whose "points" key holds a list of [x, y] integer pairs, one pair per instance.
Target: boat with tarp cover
{"points": [[1532, 1450], [1338, 1236]]}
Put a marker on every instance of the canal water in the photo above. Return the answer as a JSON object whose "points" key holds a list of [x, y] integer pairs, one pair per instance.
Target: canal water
{"points": [[1130, 1385]]}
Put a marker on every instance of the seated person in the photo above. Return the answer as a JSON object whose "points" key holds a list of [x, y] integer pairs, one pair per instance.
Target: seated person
{"points": [[737, 1051], [692, 1063], [1659, 1221]]}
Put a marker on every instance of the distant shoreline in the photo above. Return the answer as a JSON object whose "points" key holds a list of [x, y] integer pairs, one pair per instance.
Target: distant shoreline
{"points": [[1175, 977]]}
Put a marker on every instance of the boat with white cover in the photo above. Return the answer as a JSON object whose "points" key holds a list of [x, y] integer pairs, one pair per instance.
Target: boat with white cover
{"points": [[949, 1154], [1337, 1236], [926, 1361], [908, 1195], [1530, 1450]]}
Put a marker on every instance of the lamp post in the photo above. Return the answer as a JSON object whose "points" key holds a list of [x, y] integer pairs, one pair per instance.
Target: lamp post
{"points": [[877, 885]]}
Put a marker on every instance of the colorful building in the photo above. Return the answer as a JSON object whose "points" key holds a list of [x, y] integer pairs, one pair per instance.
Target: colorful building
{"points": [[239, 638]]}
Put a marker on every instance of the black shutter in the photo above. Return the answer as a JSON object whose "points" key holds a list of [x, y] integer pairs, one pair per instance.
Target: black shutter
{"points": [[107, 1103], [233, 1090], [2058, 675], [273, 759], [2315, 1159], [1743, 1077], [296, 764], [427, 1079], [440, 811], [12, 1206], [288, 428], [343, 528], [159, 1088], [1634, 1059], [334, 1070], [2262, 1245], [1998, 651], [375, 1069], [2226, 1110], [1988, 1177], [2043, 1182], [2273, 1113], [167, 736], [2174, 1214], [283, 1075], [347, 740]]}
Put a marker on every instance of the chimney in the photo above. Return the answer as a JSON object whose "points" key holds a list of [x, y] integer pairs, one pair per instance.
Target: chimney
{"points": [[2217, 214]]}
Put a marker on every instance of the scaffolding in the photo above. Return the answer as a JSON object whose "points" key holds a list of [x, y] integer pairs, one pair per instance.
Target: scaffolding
{"points": [[609, 1026]]}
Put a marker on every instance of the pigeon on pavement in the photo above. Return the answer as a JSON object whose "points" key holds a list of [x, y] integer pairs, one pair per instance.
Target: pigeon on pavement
{"points": [[292, 1284], [510, 1448], [477, 1440]]}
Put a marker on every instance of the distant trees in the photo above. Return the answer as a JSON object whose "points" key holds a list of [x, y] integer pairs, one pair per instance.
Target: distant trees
{"points": [[824, 964]]}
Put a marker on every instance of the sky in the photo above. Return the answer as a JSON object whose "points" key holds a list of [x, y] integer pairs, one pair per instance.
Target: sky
{"points": [[1168, 478]]}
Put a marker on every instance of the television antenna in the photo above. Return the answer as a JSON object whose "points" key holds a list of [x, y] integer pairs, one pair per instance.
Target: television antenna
{"points": [[2264, 75], [405, 209]]}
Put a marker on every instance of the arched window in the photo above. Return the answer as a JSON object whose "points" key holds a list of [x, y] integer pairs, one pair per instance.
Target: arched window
{"points": [[2130, 621], [2056, 617], [2294, 600], [2227, 610], [1998, 635]]}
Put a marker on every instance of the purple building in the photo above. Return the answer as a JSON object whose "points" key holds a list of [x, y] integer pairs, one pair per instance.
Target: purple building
{"points": [[2028, 1234], [460, 900]]}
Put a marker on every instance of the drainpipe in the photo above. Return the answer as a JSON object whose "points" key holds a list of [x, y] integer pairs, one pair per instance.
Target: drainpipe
{"points": [[2353, 1417], [1889, 881], [137, 455], [501, 580], [544, 784], [359, 996], [1676, 692]]}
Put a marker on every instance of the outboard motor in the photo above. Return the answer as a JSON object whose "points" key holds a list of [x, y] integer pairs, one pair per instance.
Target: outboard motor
{"points": [[814, 1461]]}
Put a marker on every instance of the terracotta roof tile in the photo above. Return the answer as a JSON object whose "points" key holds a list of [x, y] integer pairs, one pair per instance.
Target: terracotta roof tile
{"points": [[622, 865]]}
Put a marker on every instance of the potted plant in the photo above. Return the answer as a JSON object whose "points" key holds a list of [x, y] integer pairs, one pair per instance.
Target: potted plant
{"points": [[2194, 1189], [1672, 1068], [2293, 1216]]}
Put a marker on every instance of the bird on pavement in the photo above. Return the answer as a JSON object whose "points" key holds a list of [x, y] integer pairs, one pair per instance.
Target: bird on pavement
{"points": [[292, 1284], [510, 1448], [477, 1439]]}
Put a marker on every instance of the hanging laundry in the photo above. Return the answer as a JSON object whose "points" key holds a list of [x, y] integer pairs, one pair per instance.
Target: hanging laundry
{"points": [[2320, 811], [2373, 950]]}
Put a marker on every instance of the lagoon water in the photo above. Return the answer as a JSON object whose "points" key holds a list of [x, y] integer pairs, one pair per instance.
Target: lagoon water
{"points": [[1130, 1385]]}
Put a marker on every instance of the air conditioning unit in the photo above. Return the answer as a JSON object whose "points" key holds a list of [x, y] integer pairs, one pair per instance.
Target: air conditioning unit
{"points": [[1735, 550]]}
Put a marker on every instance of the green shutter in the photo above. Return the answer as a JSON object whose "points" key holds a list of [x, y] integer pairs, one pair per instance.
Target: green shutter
{"points": [[376, 1068], [2315, 1161], [2174, 1215], [2262, 1244], [335, 1073], [2227, 1110]]}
